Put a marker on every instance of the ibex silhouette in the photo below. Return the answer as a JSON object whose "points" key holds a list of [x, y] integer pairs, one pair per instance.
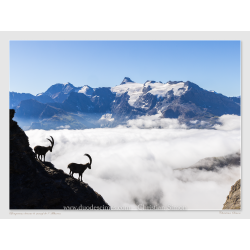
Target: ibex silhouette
{"points": [[41, 151], [79, 168]]}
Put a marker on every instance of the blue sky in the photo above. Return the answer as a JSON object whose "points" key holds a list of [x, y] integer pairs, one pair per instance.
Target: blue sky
{"points": [[36, 65]]}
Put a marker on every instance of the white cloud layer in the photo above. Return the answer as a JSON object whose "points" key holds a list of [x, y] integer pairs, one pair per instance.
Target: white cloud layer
{"points": [[229, 122], [63, 127], [138, 166], [155, 121]]}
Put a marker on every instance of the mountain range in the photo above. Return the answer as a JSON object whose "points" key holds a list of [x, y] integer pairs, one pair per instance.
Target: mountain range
{"points": [[67, 106]]}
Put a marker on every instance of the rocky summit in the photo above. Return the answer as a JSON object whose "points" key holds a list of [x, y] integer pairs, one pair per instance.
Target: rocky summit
{"points": [[234, 198], [40, 185], [126, 80]]}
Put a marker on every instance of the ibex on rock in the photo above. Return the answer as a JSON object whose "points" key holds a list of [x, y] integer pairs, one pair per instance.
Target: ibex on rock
{"points": [[41, 151], [79, 168]]}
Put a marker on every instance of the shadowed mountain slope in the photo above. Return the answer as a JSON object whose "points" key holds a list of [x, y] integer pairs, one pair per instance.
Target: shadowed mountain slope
{"points": [[216, 163], [37, 185]]}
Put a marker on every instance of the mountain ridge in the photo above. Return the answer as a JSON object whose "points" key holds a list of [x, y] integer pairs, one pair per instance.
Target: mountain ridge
{"points": [[185, 101]]}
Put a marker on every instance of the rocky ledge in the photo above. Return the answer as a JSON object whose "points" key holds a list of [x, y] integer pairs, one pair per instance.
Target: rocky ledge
{"points": [[233, 199], [37, 185]]}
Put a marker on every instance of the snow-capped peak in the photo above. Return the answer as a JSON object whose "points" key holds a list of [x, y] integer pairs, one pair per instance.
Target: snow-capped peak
{"points": [[213, 91], [159, 89], [86, 90], [126, 80], [173, 82], [150, 81]]}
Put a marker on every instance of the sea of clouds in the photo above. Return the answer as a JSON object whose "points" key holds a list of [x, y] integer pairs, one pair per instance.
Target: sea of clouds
{"points": [[134, 166]]}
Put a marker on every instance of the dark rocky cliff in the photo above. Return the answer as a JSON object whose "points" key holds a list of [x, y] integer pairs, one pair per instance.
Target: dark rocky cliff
{"points": [[37, 185], [234, 199]]}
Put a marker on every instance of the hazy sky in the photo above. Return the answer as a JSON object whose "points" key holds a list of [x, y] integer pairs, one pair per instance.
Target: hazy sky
{"points": [[36, 65]]}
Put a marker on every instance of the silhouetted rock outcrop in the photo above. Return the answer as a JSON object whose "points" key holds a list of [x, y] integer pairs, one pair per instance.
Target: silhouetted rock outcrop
{"points": [[37, 185], [233, 199]]}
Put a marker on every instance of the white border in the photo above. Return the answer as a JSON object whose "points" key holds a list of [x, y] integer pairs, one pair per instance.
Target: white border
{"points": [[245, 46]]}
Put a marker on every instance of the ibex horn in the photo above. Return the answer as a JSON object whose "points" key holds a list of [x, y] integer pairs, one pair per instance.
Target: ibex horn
{"points": [[52, 142]]}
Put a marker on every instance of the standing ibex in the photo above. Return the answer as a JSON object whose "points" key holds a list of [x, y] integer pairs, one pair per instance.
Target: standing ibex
{"points": [[41, 151], [79, 168]]}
